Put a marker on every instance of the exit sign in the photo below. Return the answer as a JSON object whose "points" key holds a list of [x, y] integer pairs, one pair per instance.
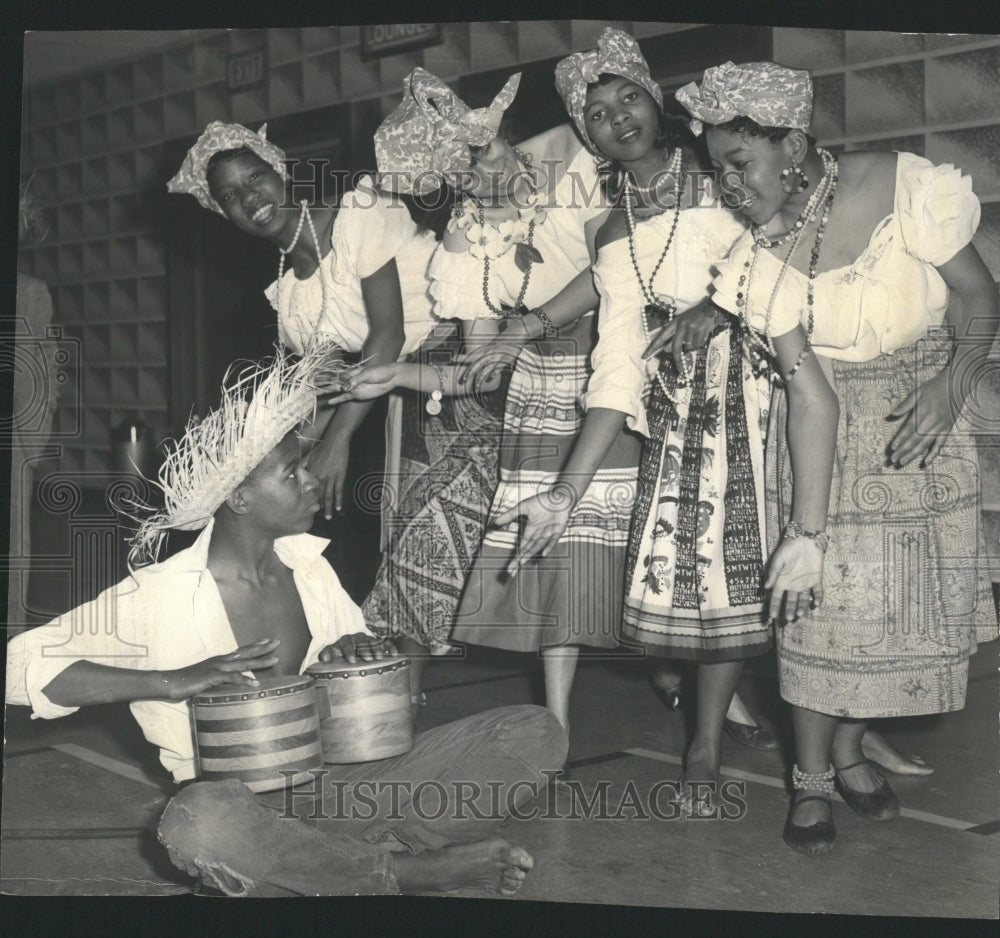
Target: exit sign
{"points": [[245, 70]]}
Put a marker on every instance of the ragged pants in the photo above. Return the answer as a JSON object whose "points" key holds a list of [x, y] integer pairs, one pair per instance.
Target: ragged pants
{"points": [[336, 837]]}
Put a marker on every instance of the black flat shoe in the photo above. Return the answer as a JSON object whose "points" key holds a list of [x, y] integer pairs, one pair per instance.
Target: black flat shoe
{"points": [[879, 805], [813, 839], [753, 737]]}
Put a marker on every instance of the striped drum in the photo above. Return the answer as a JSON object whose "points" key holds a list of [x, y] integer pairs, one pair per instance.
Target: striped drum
{"points": [[364, 709], [255, 733]]}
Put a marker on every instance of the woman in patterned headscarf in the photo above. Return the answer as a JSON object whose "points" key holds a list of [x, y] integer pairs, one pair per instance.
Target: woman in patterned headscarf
{"points": [[692, 575], [516, 257], [848, 269], [356, 273]]}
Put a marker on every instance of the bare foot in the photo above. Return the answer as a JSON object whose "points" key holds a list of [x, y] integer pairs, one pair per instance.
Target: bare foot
{"points": [[493, 865], [877, 749]]}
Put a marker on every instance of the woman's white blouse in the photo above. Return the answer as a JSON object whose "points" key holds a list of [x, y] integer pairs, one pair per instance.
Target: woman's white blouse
{"points": [[371, 228], [457, 276], [703, 237], [892, 294]]}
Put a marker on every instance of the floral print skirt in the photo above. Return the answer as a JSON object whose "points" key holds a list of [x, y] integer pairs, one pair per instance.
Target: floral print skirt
{"points": [[694, 575], [907, 593]]}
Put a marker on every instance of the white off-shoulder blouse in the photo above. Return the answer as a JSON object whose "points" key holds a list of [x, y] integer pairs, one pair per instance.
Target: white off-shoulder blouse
{"points": [[892, 294], [457, 276], [370, 229], [704, 236]]}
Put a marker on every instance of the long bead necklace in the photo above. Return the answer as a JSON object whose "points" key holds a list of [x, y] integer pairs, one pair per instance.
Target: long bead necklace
{"points": [[678, 169], [518, 308], [760, 345], [304, 216]]}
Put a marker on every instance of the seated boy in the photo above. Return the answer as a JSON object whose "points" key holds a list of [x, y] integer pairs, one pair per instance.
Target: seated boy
{"points": [[254, 596]]}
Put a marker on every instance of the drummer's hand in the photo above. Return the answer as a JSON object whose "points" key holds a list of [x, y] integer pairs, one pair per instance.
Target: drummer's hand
{"points": [[359, 645], [183, 683]]}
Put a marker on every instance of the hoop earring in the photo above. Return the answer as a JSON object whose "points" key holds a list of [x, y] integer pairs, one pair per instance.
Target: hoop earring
{"points": [[800, 186]]}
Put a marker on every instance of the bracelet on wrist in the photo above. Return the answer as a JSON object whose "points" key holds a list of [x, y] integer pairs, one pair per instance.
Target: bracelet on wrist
{"points": [[795, 529], [549, 329], [433, 403]]}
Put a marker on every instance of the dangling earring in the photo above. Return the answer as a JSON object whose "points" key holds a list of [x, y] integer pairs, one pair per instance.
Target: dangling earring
{"points": [[802, 184]]}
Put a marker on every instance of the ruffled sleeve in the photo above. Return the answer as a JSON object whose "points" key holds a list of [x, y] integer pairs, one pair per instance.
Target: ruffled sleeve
{"points": [[937, 210], [457, 286], [619, 375], [370, 229]]}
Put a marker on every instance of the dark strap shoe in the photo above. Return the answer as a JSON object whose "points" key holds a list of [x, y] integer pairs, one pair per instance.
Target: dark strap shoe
{"points": [[878, 805]]}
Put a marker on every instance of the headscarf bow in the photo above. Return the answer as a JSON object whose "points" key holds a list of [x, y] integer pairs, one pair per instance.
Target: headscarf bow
{"points": [[426, 140], [770, 94]]}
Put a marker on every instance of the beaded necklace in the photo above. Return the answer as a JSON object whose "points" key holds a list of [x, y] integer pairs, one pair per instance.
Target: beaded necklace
{"points": [[303, 217], [759, 344], [521, 237], [678, 169]]}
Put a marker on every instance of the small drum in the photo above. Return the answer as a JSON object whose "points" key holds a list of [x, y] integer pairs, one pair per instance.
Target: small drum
{"points": [[255, 733], [364, 709]]}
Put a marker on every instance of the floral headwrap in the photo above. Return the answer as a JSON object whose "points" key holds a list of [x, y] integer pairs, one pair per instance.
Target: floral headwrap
{"points": [[260, 404], [427, 138], [217, 137], [617, 53], [770, 94]]}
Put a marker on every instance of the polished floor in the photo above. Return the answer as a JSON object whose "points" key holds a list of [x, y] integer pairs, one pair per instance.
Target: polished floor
{"points": [[82, 794]]}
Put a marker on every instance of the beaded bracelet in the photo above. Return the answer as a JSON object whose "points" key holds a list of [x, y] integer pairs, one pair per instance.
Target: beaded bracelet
{"points": [[549, 328], [433, 404], [795, 529]]}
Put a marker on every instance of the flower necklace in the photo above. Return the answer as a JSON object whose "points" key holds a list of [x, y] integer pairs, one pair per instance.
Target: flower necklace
{"points": [[759, 342], [303, 217], [493, 241], [678, 169]]}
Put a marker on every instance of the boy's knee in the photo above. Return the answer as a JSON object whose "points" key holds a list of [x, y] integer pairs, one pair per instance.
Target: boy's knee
{"points": [[198, 813], [538, 727], [201, 830]]}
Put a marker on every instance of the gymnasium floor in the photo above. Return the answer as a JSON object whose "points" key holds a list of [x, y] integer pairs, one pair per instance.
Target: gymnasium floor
{"points": [[82, 794]]}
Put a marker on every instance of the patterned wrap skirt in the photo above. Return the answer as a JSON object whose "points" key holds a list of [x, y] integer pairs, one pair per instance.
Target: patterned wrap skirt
{"points": [[438, 499], [907, 594], [696, 551], [572, 596]]}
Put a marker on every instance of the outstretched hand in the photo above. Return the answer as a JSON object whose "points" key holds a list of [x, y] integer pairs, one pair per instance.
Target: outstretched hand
{"points": [[327, 460], [367, 383], [928, 415], [546, 518], [183, 683], [358, 645], [795, 579], [481, 366]]}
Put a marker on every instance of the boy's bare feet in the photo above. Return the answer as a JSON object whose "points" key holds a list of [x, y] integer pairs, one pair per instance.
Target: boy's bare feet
{"points": [[493, 865]]}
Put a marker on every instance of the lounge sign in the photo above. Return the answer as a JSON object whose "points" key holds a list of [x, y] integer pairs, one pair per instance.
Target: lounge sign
{"points": [[390, 38]]}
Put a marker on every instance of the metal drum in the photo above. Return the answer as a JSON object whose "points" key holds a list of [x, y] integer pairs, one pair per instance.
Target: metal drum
{"points": [[364, 709], [255, 734]]}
